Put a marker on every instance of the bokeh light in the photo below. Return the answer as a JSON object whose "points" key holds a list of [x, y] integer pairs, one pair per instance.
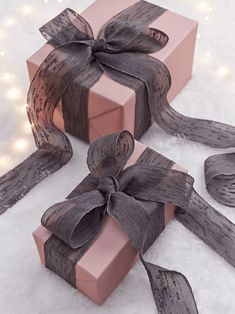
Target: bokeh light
{"points": [[26, 10], [20, 144], [14, 93]]}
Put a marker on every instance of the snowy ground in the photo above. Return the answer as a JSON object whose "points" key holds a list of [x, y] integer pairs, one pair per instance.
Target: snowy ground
{"points": [[25, 286]]}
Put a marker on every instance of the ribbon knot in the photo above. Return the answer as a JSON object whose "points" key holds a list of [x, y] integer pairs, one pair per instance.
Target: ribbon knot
{"points": [[108, 185], [98, 45]]}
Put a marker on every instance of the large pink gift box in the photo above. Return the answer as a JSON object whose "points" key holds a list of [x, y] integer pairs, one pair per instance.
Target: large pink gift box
{"points": [[111, 255], [111, 106]]}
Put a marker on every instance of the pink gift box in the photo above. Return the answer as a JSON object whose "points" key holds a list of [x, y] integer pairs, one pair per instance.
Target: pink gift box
{"points": [[111, 106], [111, 255]]}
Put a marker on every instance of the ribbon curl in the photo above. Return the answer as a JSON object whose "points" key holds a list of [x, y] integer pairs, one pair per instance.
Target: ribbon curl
{"points": [[121, 194]]}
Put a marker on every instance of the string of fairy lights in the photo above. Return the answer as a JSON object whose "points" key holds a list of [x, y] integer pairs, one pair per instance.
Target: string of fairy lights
{"points": [[16, 93]]}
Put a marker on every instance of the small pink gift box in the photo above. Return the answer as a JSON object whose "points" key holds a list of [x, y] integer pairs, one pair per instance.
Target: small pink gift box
{"points": [[111, 255], [111, 106]]}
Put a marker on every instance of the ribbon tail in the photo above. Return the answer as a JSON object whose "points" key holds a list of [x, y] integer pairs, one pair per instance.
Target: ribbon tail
{"points": [[220, 178], [157, 82], [211, 226], [16, 183], [54, 148], [171, 290]]}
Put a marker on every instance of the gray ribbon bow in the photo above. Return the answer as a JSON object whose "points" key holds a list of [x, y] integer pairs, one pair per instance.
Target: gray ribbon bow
{"points": [[78, 57], [121, 194], [126, 196]]}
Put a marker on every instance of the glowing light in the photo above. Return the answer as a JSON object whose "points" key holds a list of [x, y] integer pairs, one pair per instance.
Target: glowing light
{"points": [[14, 93], [10, 21], [7, 77], [198, 36], [223, 71], [21, 144], [208, 54], [2, 159], [27, 10], [46, 1], [207, 18], [210, 9], [202, 6], [59, 1], [5, 161], [2, 53]]}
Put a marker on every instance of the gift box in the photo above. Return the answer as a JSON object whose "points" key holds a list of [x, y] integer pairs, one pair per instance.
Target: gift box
{"points": [[111, 255], [111, 105]]}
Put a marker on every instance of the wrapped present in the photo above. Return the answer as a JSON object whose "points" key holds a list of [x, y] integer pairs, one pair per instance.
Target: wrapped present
{"points": [[98, 269], [112, 105], [112, 217], [108, 79]]}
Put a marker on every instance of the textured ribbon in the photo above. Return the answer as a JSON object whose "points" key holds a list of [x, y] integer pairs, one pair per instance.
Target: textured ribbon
{"points": [[128, 196], [75, 59], [121, 50], [122, 194]]}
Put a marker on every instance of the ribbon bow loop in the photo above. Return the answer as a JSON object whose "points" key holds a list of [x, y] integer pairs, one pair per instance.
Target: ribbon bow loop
{"points": [[153, 183], [120, 36], [108, 155], [76, 221], [66, 27], [117, 35]]}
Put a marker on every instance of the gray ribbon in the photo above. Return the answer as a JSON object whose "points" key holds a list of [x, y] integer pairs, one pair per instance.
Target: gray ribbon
{"points": [[121, 194], [142, 189], [75, 59]]}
